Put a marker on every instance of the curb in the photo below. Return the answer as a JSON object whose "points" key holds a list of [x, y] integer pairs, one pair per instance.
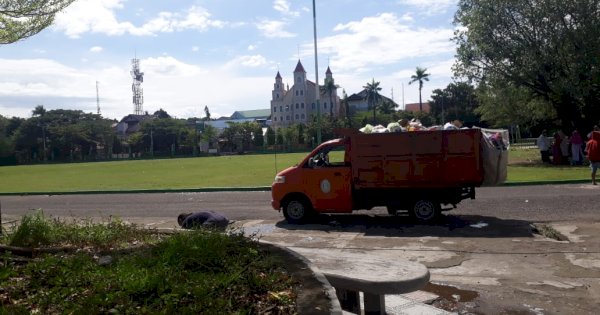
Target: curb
{"points": [[334, 306], [241, 189]]}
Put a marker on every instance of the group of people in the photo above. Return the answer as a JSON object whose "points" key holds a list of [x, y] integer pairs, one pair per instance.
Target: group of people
{"points": [[561, 147]]}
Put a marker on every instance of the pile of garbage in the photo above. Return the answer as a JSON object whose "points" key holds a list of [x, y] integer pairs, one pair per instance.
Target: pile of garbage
{"points": [[497, 137], [405, 125]]}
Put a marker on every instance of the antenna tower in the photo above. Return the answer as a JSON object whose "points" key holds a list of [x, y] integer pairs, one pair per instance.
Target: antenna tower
{"points": [[136, 87], [97, 99]]}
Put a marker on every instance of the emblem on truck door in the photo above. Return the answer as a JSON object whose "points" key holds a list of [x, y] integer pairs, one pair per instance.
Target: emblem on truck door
{"points": [[325, 186]]}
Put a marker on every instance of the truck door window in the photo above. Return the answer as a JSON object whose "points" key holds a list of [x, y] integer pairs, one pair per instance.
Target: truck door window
{"points": [[328, 157]]}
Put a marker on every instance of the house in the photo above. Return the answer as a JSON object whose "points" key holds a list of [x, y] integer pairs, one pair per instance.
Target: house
{"points": [[257, 114], [359, 102], [260, 116], [298, 104], [131, 124], [414, 107]]}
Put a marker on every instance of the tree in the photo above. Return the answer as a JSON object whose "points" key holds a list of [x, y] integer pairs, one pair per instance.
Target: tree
{"points": [[457, 101], [258, 138], [270, 136], [546, 47], [161, 114], [419, 76], [20, 19], [387, 107], [346, 110], [38, 111], [209, 135], [503, 104], [373, 96], [330, 87], [207, 113]]}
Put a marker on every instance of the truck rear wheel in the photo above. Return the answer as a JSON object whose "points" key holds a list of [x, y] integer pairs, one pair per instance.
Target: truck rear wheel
{"points": [[425, 210], [296, 211]]}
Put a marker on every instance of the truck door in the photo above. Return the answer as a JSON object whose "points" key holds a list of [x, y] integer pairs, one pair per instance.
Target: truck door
{"points": [[329, 181]]}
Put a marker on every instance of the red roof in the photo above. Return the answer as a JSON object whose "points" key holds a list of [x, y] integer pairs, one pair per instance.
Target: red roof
{"points": [[414, 107], [299, 67]]}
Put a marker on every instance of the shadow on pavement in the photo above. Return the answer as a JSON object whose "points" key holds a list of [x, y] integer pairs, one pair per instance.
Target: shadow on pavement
{"points": [[403, 226]]}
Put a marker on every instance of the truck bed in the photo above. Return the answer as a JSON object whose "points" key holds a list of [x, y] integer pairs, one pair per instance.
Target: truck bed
{"points": [[422, 159]]}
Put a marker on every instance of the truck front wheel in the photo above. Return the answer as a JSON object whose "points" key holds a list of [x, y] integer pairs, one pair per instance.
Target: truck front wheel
{"points": [[296, 211], [425, 210]]}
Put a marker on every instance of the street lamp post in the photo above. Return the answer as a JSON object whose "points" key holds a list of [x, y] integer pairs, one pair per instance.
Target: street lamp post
{"points": [[318, 92]]}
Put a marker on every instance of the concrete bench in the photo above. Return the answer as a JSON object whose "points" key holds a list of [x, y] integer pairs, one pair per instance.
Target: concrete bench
{"points": [[351, 273]]}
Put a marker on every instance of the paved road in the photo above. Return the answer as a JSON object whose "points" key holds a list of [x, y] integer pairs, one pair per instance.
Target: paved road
{"points": [[548, 203]]}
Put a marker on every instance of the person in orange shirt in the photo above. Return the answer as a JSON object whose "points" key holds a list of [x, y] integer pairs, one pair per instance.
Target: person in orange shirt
{"points": [[593, 153]]}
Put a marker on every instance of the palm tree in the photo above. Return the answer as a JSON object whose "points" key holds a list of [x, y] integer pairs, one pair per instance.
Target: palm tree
{"points": [[387, 107], [373, 96], [420, 76], [329, 87]]}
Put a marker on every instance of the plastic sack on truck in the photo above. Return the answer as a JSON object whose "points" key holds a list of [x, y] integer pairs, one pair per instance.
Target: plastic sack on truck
{"points": [[494, 152]]}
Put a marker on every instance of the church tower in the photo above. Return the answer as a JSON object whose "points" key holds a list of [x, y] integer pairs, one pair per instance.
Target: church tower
{"points": [[278, 89], [332, 100]]}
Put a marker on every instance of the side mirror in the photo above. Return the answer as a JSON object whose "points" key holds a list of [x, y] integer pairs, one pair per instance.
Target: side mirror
{"points": [[311, 162]]}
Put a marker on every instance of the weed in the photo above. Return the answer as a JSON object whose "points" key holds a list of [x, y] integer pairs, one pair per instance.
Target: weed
{"points": [[201, 271], [549, 232]]}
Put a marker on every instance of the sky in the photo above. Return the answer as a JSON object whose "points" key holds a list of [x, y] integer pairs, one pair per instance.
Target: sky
{"points": [[223, 54]]}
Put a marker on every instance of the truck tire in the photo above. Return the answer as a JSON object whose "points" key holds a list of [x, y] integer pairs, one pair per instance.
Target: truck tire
{"points": [[425, 210], [297, 210]]}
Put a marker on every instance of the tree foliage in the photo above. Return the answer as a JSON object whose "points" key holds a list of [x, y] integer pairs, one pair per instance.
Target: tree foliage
{"points": [[420, 76], [60, 135], [330, 87], [549, 48], [373, 98], [20, 19], [457, 101]]}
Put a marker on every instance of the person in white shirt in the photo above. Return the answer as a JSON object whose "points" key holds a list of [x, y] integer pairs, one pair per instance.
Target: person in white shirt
{"points": [[544, 145]]}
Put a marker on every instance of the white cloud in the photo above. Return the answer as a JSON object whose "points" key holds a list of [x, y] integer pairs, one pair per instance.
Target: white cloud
{"points": [[179, 88], [430, 7], [274, 29], [379, 41], [195, 48], [247, 61], [96, 49], [196, 18], [283, 6], [98, 16], [168, 66], [252, 47]]}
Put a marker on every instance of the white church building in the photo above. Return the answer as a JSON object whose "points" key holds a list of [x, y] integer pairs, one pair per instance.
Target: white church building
{"points": [[298, 103]]}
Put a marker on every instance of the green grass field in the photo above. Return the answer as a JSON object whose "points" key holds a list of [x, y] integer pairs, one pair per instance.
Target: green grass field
{"points": [[209, 172]]}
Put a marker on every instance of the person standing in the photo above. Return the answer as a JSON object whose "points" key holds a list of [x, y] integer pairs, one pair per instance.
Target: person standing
{"points": [[556, 151], [544, 145], [576, 142], [564, 147], [593, 153]]}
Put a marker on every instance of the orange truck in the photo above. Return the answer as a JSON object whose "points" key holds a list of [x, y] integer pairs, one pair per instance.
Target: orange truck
{"points": [[418, 172]]}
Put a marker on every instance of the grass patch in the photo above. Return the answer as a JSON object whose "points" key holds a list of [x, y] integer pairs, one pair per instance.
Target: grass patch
{"points": [[120, 269], [201, 172], [208, 172]]}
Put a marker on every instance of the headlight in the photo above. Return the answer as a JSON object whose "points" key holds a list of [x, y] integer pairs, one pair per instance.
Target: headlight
{"points": [[279, 179]]}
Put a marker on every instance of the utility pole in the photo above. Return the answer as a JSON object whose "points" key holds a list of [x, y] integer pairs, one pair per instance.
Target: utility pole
{"points": [[318, 91], [97, 99]]}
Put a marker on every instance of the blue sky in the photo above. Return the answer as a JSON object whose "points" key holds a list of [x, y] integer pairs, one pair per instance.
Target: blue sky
{"points": [[223, 54]]}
